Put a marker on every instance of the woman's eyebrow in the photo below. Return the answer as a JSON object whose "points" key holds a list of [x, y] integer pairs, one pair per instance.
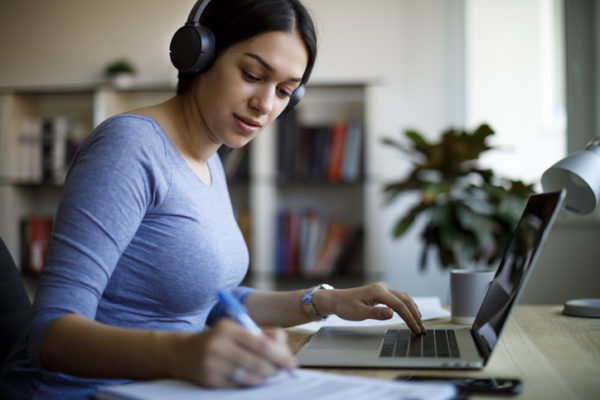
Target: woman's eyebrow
{"points": [[267, 66]]}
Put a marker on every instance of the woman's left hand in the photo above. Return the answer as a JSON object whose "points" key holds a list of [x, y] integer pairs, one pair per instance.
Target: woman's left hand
{"points": [[361, 303]]}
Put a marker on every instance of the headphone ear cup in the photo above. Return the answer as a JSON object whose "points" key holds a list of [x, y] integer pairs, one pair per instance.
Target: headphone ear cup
{"points": [[192, 49], [295, 98]]}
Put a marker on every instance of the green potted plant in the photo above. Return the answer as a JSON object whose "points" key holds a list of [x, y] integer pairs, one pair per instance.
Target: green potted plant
{"points": [[469, 211], [121, 73]]}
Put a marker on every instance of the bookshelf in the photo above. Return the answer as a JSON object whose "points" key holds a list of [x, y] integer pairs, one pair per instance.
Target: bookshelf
{"points": [[261, 193], [39, 128], [283, 188]]}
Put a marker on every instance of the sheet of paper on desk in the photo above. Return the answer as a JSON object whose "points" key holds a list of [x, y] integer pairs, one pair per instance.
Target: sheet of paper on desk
{"points": [[305, 384], [430, 307]]}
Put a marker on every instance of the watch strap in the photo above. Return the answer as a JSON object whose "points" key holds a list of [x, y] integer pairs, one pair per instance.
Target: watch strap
{"points": [[307, 302]]}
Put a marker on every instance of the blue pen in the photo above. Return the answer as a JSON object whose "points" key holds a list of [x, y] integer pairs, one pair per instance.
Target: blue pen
{"points": [[236, 310]]}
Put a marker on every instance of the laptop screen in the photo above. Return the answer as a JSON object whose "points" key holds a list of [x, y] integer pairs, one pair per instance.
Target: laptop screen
{"points": [[515, 267]]}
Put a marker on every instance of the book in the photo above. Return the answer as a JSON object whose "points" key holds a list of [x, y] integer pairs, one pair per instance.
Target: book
{"points": [[330, 250], [311, 245], [287, 128], [29, 150], [319, 153], [282, 251], [35, 234], [352, 154], [338, 144], [46, 146], [293, 238]]}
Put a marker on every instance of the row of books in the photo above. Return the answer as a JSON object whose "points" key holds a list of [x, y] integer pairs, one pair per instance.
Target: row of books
{"points": [[35, 234], [309, 245], [320, 153], [45, 148]]}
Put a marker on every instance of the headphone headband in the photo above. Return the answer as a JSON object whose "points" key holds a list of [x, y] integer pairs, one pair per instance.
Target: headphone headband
{"points": [[193, 46], [197, 10]]}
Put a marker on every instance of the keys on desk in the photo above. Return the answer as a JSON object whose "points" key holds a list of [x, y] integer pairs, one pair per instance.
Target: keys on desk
{"points": [[434, 343]]}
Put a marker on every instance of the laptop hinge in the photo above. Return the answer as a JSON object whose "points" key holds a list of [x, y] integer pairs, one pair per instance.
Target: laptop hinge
{"points": [[482, 348]]}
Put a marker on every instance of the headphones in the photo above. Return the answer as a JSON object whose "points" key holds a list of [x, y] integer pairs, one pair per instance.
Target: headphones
{"points": [[192, 50]]}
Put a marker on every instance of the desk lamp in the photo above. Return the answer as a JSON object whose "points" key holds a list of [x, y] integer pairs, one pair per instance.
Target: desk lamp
{"points": [[579, 174]]}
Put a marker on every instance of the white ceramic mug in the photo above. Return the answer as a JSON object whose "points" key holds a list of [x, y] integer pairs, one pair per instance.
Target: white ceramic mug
{"points": [[467, 290]]}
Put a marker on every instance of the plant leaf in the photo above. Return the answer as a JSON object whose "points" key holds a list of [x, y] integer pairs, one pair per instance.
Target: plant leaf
{"points": [[402, 226], [471, 212]]}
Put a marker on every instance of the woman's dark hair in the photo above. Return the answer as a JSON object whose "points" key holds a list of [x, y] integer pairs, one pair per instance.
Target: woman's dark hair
{"points": [[233, 21]]}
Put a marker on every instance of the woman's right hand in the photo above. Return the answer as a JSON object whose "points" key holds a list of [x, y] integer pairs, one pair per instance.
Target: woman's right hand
{"points": [[227, 355]]}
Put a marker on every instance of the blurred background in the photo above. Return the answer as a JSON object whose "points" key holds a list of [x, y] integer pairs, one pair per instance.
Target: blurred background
{"points": [[528, 68]]}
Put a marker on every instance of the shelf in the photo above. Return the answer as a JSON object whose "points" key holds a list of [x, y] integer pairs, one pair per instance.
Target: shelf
{"points": [[30, 184], [306, 183], [257, 191], [338, 281]]}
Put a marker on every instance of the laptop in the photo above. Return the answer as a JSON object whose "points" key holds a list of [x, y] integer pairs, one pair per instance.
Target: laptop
{"points": [[443, 347]]}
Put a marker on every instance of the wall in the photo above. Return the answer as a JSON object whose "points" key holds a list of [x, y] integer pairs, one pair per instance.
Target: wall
{"points": [[68, 42], [412, 48]]}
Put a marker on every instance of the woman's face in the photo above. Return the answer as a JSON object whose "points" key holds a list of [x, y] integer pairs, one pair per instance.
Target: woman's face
{"points": [[249, 85]]}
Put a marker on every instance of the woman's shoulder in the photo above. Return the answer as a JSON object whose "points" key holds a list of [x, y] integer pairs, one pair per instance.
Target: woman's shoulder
{"points": [[136, 133], [130, 126], [126, 147], [126, 139]]}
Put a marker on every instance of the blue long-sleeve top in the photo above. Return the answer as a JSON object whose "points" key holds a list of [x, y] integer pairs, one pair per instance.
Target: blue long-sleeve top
{"points": [[139, 241]]}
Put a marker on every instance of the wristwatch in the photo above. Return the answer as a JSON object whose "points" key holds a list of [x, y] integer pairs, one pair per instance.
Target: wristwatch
{"points": [[307, 302]]}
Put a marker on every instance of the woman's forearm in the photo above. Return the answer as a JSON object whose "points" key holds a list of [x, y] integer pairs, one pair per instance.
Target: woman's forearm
{"points": [[81, 347], [76, 345], [283, 308], [355, 304]]}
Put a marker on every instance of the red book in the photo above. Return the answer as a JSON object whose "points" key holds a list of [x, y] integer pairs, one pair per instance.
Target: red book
{"points": [[338, 144], [331, 249], [36, 236]]}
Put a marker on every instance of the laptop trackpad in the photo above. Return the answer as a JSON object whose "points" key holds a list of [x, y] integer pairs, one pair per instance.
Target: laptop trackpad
{"points": [[346, 338]]}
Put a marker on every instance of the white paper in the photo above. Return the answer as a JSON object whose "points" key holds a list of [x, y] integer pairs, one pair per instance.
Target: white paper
{"points": [[430, 307], [303, 385]]}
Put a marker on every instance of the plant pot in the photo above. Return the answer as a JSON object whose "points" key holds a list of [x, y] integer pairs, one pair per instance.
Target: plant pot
{"points": [[467, 290], [123, 80]]}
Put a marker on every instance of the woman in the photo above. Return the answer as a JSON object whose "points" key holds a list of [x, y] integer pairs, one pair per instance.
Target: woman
{"points": [[145, 232]]}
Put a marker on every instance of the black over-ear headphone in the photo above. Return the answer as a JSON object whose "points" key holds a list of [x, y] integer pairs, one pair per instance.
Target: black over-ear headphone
{"points": [[193, 45], [192, 50]]}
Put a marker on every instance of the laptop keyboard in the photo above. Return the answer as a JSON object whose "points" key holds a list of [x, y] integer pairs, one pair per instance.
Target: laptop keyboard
{"points": [[404, 343]]}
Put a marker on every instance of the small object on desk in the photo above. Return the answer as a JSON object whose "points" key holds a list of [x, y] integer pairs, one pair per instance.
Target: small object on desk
{"points": [[589, 308], [469, 385]]}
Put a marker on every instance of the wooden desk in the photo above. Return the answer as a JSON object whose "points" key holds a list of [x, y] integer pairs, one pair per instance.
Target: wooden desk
{"points": [[556, 356]]}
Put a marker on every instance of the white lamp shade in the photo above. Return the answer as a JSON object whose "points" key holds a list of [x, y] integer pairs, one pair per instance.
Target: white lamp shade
{"points": [[579, 173]]}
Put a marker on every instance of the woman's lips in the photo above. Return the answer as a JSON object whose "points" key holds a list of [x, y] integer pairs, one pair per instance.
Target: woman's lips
{"points": [[247, 125]]}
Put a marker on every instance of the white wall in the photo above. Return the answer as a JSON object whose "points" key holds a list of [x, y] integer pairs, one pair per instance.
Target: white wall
{"points": [[412, 47], [68, 42]]}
